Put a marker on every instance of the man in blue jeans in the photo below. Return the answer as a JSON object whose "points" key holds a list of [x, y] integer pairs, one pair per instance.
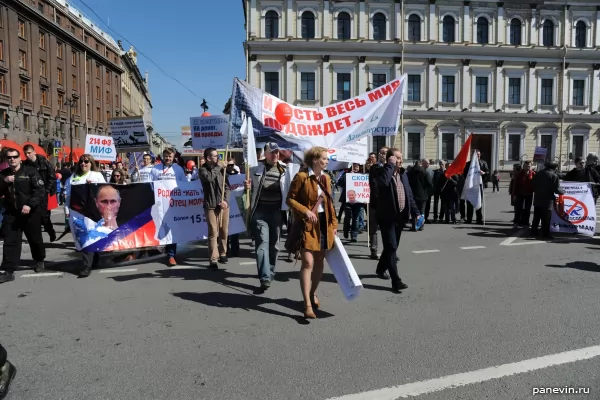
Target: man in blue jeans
{"points": [[269, 184]]}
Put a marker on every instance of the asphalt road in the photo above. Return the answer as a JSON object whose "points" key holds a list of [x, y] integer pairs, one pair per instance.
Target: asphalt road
{"points": [[478, 297]]}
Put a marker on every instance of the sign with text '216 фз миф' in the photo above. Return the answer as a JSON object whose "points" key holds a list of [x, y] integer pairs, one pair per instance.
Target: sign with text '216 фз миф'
{"points": [[102, 148], [209, 132], [578, 212], [129, 133]]}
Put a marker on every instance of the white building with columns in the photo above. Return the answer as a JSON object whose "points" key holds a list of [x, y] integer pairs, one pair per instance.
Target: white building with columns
{"points": [[518, 74]]}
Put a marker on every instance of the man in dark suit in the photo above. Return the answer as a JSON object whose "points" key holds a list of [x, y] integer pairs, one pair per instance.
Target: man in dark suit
{"points": [[545, 185], [419, 185], [396, 198], [483, 170]]}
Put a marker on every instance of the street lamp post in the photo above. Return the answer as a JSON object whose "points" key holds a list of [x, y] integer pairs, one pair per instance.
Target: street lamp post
{"points": [[71, 102]]}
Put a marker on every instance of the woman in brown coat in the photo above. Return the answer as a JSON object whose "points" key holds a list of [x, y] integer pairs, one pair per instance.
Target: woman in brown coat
{"points": [[308, 186]]}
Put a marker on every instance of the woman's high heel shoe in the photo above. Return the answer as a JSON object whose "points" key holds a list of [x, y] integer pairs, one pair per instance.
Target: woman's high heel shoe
{"points": [[309, 313]]}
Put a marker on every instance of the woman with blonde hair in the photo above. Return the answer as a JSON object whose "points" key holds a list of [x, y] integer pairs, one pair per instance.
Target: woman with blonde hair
{"points": [[310, 199]]}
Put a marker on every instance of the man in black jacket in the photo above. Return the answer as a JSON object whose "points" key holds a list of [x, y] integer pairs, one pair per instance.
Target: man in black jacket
{"points": [[420, 186], [396, 198], [46, 172], [545, 185], [23, 190]]}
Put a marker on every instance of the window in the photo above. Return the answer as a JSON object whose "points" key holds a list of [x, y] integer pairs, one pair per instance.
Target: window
{"points": [[546, 142], [26, 124], [107, 115], [1, 50], [74, 82], [43, 69], [343, 25], [44, 97], [59, 50], [514, 90], [97, 47], [42, 41], [22, 59], [61, 101], [23, 90], [307, 84], [59, 76], [578, 93], [577, 146], [448, 89], [481, 89], [97, 93], [97, 71], [86, 38], [379, 80], [98, 115], [343, 86], [41, 7], [515, 31], [548, 33], [414, 87], [547, 98], [22, 29], [308, 25], [107, 97], [514, 147], [272, 83], [448, 146], [58, 20], [116, 100], [107, 75], [580, 34], [483, 30], [413, 145], [448, 24], [74, 109], [379, 28], [414, 28], [271, 25], [3, 84], [74, 58]]}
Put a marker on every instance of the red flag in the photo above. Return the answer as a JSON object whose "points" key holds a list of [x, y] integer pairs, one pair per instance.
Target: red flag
{"points": [[52, 202], [459, 163]]}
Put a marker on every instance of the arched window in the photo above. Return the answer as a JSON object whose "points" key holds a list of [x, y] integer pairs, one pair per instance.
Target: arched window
{"points": [[483, 30], [548, 33], [580, 34], [448, 29], [343, 25], [308, 25], [515, 31], [271, 25], [379, 32], [414, 28]]}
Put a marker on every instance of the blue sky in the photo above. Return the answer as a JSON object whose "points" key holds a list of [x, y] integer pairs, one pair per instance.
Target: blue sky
{"points": [[199, 42]]}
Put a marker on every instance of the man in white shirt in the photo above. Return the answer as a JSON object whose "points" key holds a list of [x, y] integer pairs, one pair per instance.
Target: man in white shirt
{"points": [[143, 174], [168, 171]]}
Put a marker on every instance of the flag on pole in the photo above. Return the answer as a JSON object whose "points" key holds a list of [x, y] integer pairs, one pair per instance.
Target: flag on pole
{"points": [[472, 189], [459, 163]]}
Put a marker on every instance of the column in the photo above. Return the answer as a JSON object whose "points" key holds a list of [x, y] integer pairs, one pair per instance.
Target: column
{"points": [[566, 89], [433, 23], [253, 77], [363, 77], [533, 31], [465, 86], [326, 20], [253, 19], [326, 82], [399, 20], [597, 26], [532, 88], [499, 86], [595, 88], [290, 93], [362, 21], [431, 86], [500, 25], [467, 26], [289, 13]]}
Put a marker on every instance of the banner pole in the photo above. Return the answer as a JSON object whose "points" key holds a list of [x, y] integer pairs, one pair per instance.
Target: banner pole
{"points": [[482, 203], [248, 205], [368, 212]]}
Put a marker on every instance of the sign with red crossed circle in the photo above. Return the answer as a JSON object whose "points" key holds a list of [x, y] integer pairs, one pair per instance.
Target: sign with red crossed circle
{"points": [[575, 211]]}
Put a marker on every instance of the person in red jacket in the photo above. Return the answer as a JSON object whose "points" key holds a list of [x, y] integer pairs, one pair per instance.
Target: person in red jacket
{"points": [[523, 195]]}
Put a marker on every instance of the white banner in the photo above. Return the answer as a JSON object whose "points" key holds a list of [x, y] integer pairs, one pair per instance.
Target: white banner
{"points": [[209, 132], [343, 270], [178, 213], [472, 189], [579, 210], [357, 188], [102, 148], [356, 152], [129, 133]]}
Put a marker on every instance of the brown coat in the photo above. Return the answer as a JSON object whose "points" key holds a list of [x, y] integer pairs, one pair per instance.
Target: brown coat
{"points": [[302, 196]]}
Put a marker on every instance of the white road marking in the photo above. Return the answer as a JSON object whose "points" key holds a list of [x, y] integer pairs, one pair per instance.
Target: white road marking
{"points": [[248, 263], [116, 270], [481, 375], [426, 251], [42, 274], [183, 267], [472, 247]]}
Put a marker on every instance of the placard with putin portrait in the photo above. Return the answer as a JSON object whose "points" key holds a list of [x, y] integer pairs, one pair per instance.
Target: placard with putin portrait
{"points": [[108, 217], [357, 188]]}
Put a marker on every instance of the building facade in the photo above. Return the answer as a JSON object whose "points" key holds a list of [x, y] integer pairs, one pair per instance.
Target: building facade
{"points": [[516, 74], [58, 71]]}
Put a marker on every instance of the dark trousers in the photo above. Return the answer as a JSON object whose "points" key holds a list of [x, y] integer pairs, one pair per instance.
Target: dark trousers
{"points": [[438, 204], [541, 214], [391, 231], [449, 204], [171, 249], [373, 229], [90, 260], [13, 228], [479, 213], [495, 187], [233, 245], [47, 222], [3, 356], [523, 209], [461, 206], [421, 206], [428, 208], [351, 212], [342, 207]]}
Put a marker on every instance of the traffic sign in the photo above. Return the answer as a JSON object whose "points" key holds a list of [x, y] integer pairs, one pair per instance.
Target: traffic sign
{"points": [[57, 143], [57, 151]]}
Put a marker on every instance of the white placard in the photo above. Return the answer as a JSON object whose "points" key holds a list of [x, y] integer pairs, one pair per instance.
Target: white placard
{"points": [[102, 148], [209, 132], [129, 133], [343, 270], [579, 214], [357, 188], [355, 152]]}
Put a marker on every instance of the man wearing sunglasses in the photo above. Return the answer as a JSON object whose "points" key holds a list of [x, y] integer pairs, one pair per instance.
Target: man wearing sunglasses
{"points": [[23, 191]]}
